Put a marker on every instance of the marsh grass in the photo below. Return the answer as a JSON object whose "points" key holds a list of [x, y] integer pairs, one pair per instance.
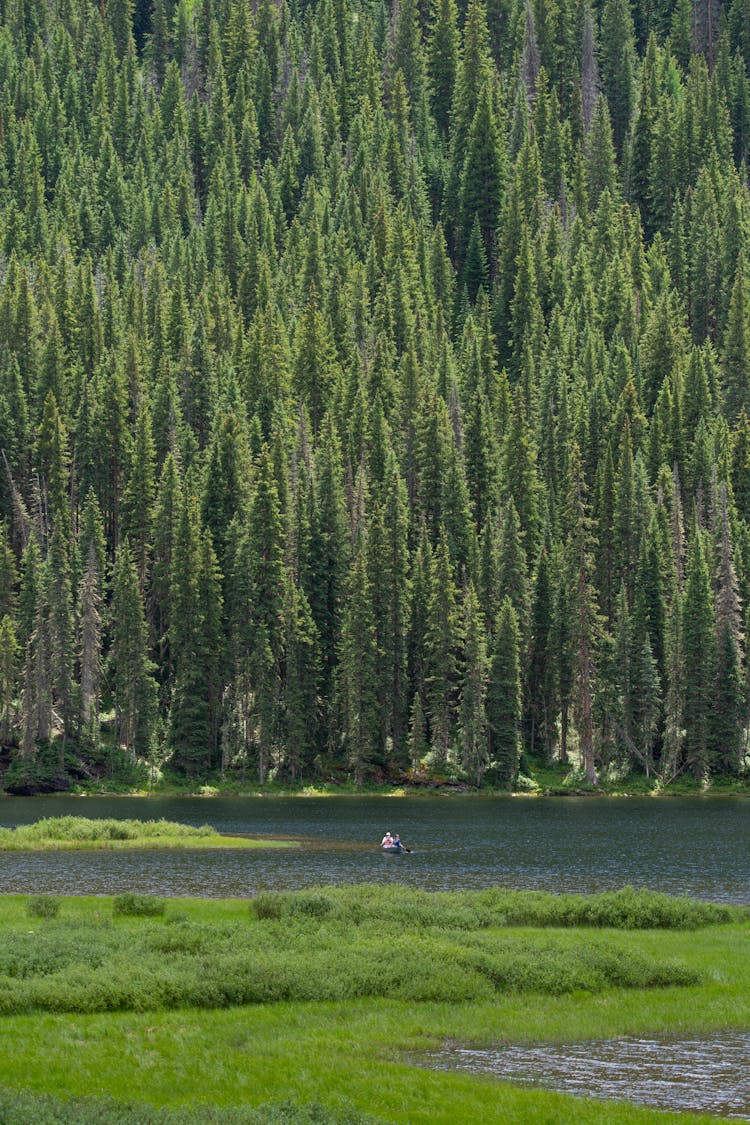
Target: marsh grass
{"points": [[43, 906], [138, 906], [23, 1106], [338, 945], [402, 907], [82, 833], [525, 983]]}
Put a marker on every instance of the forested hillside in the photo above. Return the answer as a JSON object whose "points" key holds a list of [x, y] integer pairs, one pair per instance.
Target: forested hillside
{"points": [[374, 387]]}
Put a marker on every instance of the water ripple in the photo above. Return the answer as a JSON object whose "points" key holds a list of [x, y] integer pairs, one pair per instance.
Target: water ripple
{"points": [[710, 1074]]}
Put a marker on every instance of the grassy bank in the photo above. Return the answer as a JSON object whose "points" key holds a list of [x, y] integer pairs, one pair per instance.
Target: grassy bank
{"points": [[80, 833], [322, 997], [538, 779]]}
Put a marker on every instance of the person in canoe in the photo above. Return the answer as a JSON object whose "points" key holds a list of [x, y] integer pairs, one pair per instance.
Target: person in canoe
{"points": [[387, 841]]}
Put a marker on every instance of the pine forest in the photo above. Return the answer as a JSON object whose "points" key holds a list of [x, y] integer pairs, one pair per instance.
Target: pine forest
{"points": [[374, 390]]}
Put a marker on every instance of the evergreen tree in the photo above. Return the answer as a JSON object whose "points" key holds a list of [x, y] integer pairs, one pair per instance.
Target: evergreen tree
{"points": [[585, 624], [737, 347], [472, 711], [443, 633], [133, 686], [8, 674], [504, 697], [443, 62], [698, 655], [618, 65], [357, 670], [189, 716], [89, 614]]}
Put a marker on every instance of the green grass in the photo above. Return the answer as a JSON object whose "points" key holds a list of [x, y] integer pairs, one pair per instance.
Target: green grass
{"points": [[21, 1107], [80, 833], [327, 997]]}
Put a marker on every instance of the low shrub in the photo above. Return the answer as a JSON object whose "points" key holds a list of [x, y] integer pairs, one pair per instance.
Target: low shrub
{"points": [[138, 906], [43, 906], [270, 904]]}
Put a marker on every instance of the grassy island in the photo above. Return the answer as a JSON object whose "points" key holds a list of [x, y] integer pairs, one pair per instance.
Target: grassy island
{"points": [[314, 1006], [81, 833]]}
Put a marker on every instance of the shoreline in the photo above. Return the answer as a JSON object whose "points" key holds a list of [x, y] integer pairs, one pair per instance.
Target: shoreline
{"points": [[445, 792], [179, 843]]}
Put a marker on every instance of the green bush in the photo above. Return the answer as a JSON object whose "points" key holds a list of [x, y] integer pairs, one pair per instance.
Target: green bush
{"points": [[43, 906], [270, 904], [138, 906]]}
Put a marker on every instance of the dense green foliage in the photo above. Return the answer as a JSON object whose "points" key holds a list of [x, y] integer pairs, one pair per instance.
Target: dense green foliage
{"points": [[328, 945], [20, 1107], [374, 388]]}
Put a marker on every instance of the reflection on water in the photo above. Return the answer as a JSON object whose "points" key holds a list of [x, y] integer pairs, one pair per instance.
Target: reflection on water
{"points": [[697, 846], [708, 1075]]}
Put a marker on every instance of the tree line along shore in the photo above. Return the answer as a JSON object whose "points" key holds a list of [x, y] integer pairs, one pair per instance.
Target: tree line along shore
{"points": [[374, 391]]}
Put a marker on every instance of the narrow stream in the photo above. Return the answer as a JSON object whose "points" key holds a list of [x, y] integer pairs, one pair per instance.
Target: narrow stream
{"points": [[710, 1074]]}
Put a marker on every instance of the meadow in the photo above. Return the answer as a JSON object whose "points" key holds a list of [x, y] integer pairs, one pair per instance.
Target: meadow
{"points": [[314, 1007]]}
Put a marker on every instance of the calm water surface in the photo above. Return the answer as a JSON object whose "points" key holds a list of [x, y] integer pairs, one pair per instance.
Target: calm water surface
{"points": [[696, 846], [710, 1075]]}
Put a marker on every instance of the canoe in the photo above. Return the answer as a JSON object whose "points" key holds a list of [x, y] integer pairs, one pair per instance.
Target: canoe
{"points": [[393, 849]]}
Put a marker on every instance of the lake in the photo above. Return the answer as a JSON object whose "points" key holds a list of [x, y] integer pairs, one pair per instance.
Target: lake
{"points": [[696, 846], [703, 1075]]}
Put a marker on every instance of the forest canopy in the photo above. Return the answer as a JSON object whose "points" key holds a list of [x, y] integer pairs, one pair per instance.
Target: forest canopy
{"points": [[374, 387]]}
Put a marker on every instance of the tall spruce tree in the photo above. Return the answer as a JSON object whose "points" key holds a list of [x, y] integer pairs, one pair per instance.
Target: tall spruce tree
{"points": [[133, 686], [504, 697]]}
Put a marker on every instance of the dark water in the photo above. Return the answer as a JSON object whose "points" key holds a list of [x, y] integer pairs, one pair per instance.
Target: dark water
{"points": [[696, 846], [708, 1075]]}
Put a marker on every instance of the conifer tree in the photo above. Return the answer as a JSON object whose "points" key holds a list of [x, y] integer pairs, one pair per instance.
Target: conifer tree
{"points": [[189, 717], [61, 630], [89, 615], [618, 65], [541, 682], [504, 697], [483, 176], [418, 747], [472, 712], [300, 698], [443, 633], [8, 674], [585, 624], [133, 686], [443, 62], [357, 672], [698, 651], [737, 347]]}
